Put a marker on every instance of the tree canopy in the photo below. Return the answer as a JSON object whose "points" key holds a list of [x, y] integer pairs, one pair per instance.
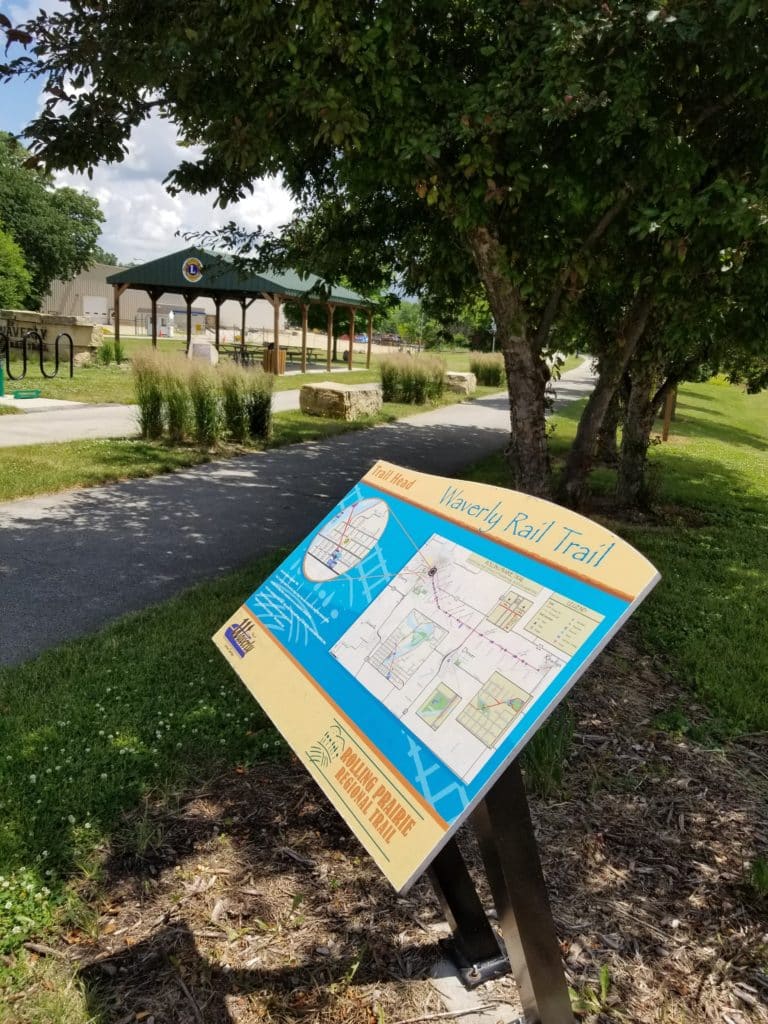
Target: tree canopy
{"points": [[56, 229], [14, 276], [524, 148]]}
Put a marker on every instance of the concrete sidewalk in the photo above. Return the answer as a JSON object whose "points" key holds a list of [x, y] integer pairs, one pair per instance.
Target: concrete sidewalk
{"points": [[69, 563], [46, 421]]}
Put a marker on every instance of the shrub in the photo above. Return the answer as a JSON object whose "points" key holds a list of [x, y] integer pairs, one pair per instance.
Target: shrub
{"points": [[105, 353], [119, 351], [176, 400], [412, 379], [258, 388], [235, 402], [148, 378], [206, 411], [488, 367]]}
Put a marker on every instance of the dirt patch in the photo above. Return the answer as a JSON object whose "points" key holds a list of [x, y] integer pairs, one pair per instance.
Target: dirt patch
{"points": [[251, 902]]}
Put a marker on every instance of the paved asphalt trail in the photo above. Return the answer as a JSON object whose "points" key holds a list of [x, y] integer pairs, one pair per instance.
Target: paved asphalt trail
{"points": [[71, 562]]}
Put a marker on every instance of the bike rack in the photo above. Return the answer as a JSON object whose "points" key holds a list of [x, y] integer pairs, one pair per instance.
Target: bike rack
{"points": [[37, 336], [8, 372], [56, 356]]}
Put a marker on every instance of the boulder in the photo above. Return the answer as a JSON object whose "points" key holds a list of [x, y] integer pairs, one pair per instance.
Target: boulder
{"points": [[461, 383], [340, 401]]}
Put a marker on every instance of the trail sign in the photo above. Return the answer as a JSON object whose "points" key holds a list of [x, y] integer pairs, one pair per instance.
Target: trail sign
{"points": [[412, 644]]}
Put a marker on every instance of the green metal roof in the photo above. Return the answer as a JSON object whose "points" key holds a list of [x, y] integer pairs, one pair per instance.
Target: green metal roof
{"points": [[218, 275]]}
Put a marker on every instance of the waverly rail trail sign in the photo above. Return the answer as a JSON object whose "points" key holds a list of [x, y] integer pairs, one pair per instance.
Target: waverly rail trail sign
{"points": [[410, 647]]}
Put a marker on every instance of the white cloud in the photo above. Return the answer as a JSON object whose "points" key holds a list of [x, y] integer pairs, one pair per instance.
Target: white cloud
{"points": [[141, 218]]}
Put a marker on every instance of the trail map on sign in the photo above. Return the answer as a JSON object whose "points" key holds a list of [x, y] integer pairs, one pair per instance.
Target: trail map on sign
{"points": [[410, 646], [456, 651]]}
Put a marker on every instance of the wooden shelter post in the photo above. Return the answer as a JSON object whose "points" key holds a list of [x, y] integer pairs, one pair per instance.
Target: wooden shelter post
{"points": [[276, 330], [351, 335], [188, 300], [154, 295], [370, 339], [217, 328], [331, 308], [117, 291], [304, 319], [243, 307]]}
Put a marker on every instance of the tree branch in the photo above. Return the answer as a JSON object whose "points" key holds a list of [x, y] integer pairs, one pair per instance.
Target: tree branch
{"points": [[553, 303]]}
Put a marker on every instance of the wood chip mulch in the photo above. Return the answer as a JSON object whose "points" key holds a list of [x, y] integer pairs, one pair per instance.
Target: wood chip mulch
{"points": [[251, 902]]}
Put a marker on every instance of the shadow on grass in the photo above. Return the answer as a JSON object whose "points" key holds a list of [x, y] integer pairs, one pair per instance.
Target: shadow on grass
{"points": [[715, 431], [685, 405]]}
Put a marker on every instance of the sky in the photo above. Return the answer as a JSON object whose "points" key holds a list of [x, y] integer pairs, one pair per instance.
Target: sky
{"points": [[141, 219]]}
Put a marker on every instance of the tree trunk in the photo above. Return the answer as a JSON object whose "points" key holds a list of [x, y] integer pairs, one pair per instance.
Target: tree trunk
{"points": [[527, 372], [613, 364], [632, 483], [607, 451]]}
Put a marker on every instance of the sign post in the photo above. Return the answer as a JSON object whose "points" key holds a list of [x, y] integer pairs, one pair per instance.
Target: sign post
{"points": [[511, 858], [408, 649]]}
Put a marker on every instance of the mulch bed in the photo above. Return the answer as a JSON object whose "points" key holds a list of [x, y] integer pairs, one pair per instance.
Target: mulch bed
{"points": [[251, 902]]}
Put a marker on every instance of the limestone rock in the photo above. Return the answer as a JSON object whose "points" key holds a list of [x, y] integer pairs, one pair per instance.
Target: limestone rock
{"points": [[203, 351], [340, 401], [461, 383]]}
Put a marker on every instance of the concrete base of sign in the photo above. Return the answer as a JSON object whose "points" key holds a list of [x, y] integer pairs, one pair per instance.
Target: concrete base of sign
{"points": [[340, 401], [203, 351], [460, 383], [483, 1005]]}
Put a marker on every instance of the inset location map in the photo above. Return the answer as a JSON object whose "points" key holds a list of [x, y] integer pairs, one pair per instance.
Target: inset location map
{"points": [[457, 646], [344, 541]]}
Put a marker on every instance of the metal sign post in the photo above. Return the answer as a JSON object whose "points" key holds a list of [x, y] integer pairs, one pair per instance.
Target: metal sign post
{"points": [[511, 859], [473, 948]]}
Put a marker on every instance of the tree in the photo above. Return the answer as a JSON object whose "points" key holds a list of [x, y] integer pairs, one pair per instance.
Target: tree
{"points": [[55, 228], [100, 255], [458, 143], [14, 276]]}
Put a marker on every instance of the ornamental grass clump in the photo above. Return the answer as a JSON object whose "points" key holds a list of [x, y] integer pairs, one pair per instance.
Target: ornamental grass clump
{"points": [[258, 387], [176, 400], [390, 378], [148, 381], [234, 393], [119, 351], [206, 406], [414, 380], [488, 367], [435, 369]]}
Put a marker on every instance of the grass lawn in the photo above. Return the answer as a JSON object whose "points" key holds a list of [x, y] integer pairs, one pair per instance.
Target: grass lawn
{"points": [[95, 384], [85, 733], [709, 540], [27, 470], [89, 738], [114, 384]]}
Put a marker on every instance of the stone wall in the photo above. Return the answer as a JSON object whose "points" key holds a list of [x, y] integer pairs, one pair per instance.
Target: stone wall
{"points": [[14, 323]]}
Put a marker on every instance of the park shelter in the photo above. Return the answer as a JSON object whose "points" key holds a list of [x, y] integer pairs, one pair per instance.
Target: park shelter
{"points": [[196, 273]]}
